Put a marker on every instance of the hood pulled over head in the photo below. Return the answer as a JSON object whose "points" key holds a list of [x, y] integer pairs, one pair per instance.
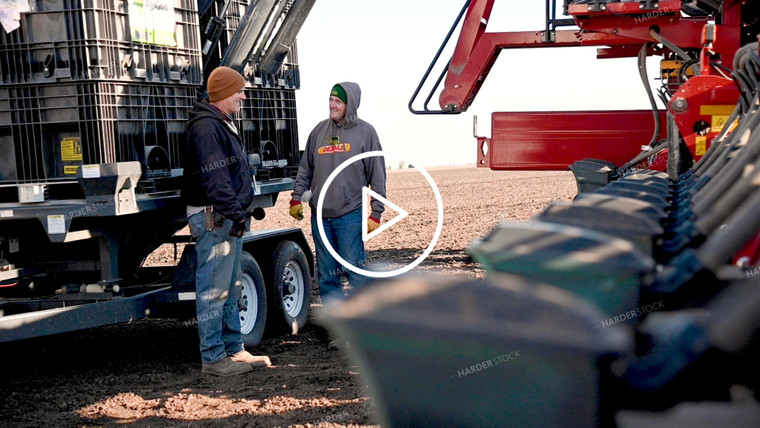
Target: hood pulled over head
{"points": [[353, 99]]}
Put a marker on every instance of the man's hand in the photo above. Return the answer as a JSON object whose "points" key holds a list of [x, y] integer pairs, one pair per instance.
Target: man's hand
{"points": [[296, 209], [238, 229], [372, 224]]}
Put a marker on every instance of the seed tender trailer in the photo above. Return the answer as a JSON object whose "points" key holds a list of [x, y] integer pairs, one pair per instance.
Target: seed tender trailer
{"points": [[94, 96]]}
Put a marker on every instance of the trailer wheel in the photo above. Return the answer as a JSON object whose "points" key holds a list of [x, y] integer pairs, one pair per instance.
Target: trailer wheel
{"points": [[253, 302], [291, 285]]}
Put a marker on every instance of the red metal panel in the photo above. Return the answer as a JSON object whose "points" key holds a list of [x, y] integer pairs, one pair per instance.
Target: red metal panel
{"points": [[707, 103], [554, 140]]}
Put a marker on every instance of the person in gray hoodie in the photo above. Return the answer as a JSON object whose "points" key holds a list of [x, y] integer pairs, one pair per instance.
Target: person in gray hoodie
{"points": [[330, 143]]}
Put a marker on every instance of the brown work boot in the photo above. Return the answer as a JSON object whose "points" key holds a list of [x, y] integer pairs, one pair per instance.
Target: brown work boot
{"points": [[254, 360], [226, 367]]}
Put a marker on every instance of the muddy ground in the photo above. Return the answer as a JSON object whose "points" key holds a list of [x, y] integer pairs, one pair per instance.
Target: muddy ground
{"points": [[148, 373]]}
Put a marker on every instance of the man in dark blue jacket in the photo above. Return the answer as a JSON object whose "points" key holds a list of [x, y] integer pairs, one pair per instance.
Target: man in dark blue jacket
{"points": [[217, 188]]}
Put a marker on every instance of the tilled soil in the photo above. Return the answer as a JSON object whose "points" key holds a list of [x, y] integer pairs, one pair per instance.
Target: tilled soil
{"points": [[148, 373]]}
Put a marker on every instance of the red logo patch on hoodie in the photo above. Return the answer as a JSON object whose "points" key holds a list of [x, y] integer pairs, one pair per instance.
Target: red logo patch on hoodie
{"points": [[335, 146]]}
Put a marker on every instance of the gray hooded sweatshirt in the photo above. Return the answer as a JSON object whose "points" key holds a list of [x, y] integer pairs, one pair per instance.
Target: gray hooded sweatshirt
{"points": [[328, 146]]}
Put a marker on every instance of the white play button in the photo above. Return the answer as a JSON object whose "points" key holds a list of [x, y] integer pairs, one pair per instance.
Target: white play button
{"points": [[402, 215], [366, 212]]}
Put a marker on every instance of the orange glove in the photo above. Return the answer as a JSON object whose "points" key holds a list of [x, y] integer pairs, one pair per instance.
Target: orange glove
{"points": [[372, 224], [296, 209]]}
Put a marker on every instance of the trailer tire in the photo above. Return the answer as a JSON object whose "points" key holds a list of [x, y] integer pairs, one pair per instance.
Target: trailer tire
{"points": [[253, 302], [290, 282]]}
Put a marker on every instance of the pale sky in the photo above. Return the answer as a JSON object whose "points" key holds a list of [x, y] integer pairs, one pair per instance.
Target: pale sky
{"points": [[386, 46]]}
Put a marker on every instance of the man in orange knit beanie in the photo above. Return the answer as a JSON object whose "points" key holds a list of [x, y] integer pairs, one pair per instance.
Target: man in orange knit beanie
{"points": [[217, 189]]}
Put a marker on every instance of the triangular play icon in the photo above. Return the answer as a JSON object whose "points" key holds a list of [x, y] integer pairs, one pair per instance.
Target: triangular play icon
{"points": [[366, 212]]}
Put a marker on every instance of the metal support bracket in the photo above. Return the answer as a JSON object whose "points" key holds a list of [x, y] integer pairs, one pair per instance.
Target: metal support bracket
{"points": [[649, 4]]}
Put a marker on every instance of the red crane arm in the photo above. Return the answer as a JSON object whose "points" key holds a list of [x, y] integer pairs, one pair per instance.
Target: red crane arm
{"points": [[621, 27], [464, 79]]}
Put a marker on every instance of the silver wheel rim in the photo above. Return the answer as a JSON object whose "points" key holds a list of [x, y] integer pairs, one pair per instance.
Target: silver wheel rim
{"points": [[249, 305], [293, 288]]}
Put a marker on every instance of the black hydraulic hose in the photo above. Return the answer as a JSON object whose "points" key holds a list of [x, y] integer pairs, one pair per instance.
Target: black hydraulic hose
{"points": [[742, 98], [645, 80], [747, 72], [751, 76], [755, 58], [741, 58], [663, 98], [733, 159], [711, 165], [727, 143], [708, 221], [722, 148], [670, 45], [724, 156], [722, 69], [745, 222], [744, 88], [735, 318], [741, 227], [734, 168], [643, 155], [684, 68], [734, 141], [743, 51]]}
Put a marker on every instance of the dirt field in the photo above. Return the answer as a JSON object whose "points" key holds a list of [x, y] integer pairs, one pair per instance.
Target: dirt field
{"points": [[148, 373]]}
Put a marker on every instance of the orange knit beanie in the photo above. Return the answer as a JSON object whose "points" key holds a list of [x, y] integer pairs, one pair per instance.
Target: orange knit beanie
{"points": [[224, 82]]}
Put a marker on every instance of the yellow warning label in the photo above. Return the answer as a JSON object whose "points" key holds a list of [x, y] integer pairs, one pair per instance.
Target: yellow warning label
{"points": [[718, 123], [701, 148], [70, 169], [714, 110], [71, 149]]}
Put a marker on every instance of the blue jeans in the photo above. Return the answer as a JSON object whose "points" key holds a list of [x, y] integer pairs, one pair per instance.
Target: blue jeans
{"points": [[344, 234], [218, 288]]}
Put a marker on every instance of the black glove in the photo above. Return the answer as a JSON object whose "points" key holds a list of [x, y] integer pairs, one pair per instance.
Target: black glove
{"points": [[238, 229]]}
